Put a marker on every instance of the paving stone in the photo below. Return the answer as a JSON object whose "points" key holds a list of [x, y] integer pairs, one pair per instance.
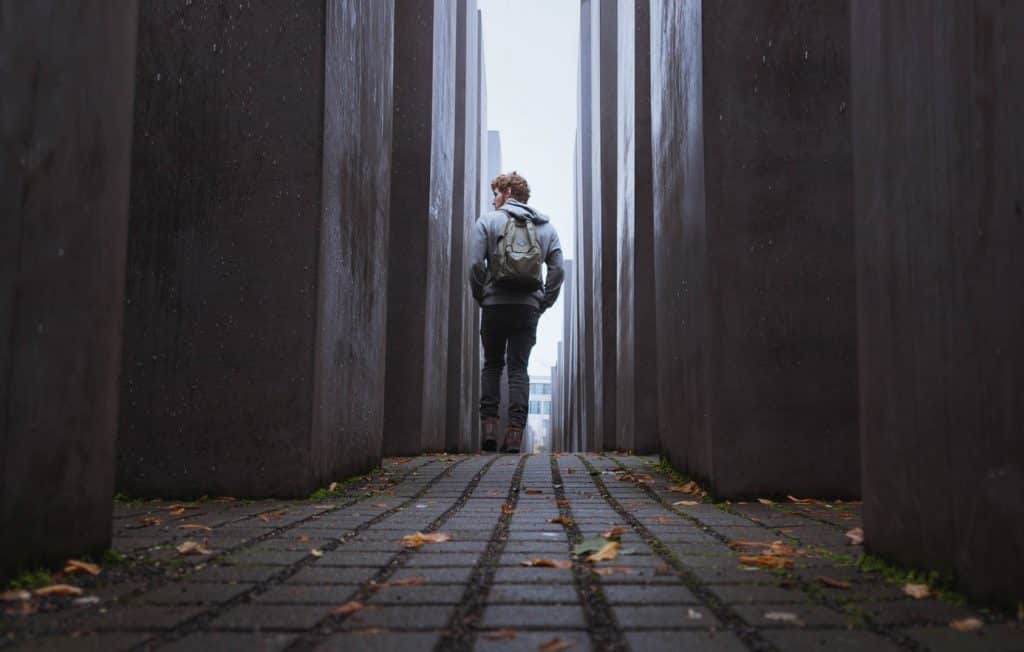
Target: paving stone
{"points": [[400, 617], [132, 617], [533, 617], [87, 643], [260, 617], [649, 594], [306, 594], [757, 594], [991, 638], [425, 594], [332, 575], [379, 642], [179, 593], [231, 642], [674, 641], [526, 641], [830, 640], [354, 558], [438, 559], [521, 575], [806, 615], [532, 593], [265, 557], [436, 575], [914, 612], [656, 616], [233, 574]]}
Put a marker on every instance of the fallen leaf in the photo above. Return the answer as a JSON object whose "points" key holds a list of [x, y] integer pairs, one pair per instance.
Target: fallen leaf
{"points": [[613, 570], [316, 552], [15, 595], [86, 601], [782, 616], [500, 635], [150, 520], [833, 583], [193, 548], [534, 491], [380, 505], [333, 487], [58, 589], [224, 499], [570, 470], [688, 503], [967, 624], [856, 536], [917, 591], [804, 501], [76, 566], [690, 487], [349, 607], [271, 516], [542, 562], [607, 552], [693, 614], [664, 520], [614, 533], [765, 561], [507, 508], [556, 645], [743, 543], [765, 501], [563, 520], [304, 538], [195, 526], [418, 539], [408, 581], [781, 549]]}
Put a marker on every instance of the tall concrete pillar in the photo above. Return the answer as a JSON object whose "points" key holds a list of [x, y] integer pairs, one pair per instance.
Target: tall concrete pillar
{"points": [[254, 326], [567, 360], [754, 247], [584, 192], [636, 413], [66, 70], [420, 226], [938, 92], [465, 202], [603, 168]]}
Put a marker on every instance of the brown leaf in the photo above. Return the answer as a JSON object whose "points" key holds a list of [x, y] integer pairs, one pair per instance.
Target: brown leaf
{"points": [[856, 536], [15, 595], [381, 505], [75, 566], [506, 508], [743, 543], [408, 581], [195, 526], [193, 548], [547, 563], [58, 589], [688, 503], [556, 645], [418, 539], [304, 538], [781, 549], [664, 520], [534, 492], [917, 591], [501, 635], [967, 624], [331, 488], [765, 501], [266, 517], [563, 520], [765, 561], [804, 501], [613, 570], [614, 533], [690, 487], [349, 607], [570, 471], [833, 583], [607, 552], [150, 520]]}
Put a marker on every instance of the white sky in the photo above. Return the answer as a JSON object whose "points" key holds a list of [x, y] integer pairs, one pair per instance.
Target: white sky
{"points": [[531, 51]]}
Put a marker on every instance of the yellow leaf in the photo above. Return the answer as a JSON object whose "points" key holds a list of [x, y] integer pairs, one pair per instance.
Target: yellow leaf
{"points": [[349, 607], [500, 635], [507, 509], [765, 561], [76, 566], [150, 520], [271, 516], [193, 548], [541, 562], [418, 539], [195, 526], [607, 552], [856, 536], [967, 624], [614, 533], [690, 487], [563, 520], [917, 591], [556, 645], [58, 589]]}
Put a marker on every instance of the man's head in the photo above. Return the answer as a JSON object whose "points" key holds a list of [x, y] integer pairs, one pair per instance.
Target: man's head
{"points": [[509, 185]]}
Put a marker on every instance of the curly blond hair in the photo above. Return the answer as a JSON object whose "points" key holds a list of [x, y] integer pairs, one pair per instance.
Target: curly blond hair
{"points": [[512, 181]]}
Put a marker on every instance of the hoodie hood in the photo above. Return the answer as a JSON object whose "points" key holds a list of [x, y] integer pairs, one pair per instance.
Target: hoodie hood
{"points": [[521, 211]]}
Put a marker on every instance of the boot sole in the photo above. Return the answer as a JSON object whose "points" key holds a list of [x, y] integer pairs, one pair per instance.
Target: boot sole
{"points": [[490, 445]]}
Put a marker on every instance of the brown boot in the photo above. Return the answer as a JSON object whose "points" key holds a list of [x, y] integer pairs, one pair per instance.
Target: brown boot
{"points": [[489, 434], [513, 440]]}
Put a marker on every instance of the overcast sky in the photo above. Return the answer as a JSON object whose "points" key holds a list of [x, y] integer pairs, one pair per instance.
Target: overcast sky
{"points": [[531, 50]]}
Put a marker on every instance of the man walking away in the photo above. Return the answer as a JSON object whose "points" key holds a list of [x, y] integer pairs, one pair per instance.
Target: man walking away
{"points": [[508, 247]]}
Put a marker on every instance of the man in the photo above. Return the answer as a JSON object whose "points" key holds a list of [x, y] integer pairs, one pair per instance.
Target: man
{"points": [[506, 251]]}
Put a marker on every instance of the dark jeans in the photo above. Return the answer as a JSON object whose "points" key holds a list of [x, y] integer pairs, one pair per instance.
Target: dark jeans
{"points": [[515, 327]]}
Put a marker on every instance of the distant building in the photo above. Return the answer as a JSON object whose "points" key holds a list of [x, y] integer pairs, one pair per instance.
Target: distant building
{"points": [[539, 417]]}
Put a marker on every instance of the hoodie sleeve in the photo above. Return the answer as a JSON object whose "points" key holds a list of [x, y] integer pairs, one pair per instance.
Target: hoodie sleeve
{"points": [[555, 275], [478, 261]]}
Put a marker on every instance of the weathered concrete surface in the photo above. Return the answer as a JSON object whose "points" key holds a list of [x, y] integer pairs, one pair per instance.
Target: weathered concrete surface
{"points": [[603, 162], [939, 227], [420, 226], [66, 70], [586, 381], [636, 412], [754, 245], [462, 310], [253, 344]]}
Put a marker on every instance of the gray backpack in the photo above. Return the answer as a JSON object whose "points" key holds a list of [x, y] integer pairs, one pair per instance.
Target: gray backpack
{"points": [[517, 263]]}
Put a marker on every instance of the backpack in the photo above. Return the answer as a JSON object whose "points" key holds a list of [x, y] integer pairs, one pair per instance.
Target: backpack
{"points": [[517, 263]]}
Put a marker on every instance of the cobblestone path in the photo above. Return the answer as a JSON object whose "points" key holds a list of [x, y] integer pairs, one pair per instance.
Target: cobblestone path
{"points": [[332, 573]]}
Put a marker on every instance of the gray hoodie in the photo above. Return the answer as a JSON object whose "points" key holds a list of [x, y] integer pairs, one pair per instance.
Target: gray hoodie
{"points": [[484, 244]]}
